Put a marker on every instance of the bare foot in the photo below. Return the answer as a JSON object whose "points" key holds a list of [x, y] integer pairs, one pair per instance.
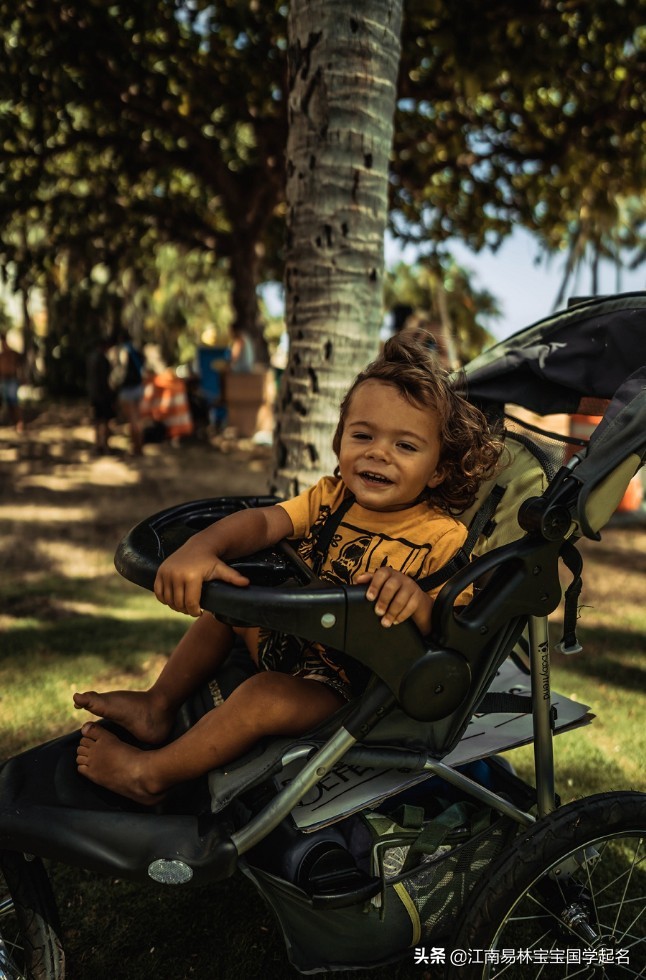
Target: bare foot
{"points": [[136, 711], [106, 760]]}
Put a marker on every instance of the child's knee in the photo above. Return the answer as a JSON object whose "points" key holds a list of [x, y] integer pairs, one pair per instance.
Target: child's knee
{"points": [[275, 703], [262, 702], [262, 688]]}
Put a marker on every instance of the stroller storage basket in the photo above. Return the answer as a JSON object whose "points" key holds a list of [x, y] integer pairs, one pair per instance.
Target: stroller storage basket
{"points": [[448, 854]]}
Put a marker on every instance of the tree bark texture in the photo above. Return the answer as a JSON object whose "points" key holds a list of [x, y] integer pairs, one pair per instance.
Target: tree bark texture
{"points": [[344, 60]]}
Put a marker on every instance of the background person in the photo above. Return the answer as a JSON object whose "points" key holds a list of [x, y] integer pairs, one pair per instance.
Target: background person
{"points": [[126, 380], [100, 393], [242, 352]]}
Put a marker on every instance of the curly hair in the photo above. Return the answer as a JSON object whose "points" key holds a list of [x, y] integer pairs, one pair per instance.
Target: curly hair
{"points": [[470, 448]]}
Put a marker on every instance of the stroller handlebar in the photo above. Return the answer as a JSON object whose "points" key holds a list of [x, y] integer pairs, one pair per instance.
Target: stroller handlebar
{"points": [[282, 597]]}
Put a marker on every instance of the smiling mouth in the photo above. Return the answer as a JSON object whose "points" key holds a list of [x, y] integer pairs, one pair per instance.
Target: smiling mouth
{"points": [[375, 478]]}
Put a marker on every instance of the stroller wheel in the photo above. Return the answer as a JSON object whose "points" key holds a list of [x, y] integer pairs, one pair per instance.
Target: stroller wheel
{"points": [[568, 899], [30, 948]]}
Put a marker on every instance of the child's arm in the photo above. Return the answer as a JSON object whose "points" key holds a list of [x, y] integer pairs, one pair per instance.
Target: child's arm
{"points": [[397, 597], [180, 578]]}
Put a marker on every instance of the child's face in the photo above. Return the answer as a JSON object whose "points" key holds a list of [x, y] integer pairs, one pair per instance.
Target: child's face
{"points": [[390, 449]]}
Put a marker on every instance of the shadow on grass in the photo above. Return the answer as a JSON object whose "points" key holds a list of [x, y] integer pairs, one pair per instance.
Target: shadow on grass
{"points": [[42, 664], [595, 774], [115, 639], [581, 768], [617, 557], [605, 656], [138, 932]]}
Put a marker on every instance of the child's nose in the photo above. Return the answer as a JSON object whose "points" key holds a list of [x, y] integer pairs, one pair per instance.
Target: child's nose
{"points": [[378, 449]]}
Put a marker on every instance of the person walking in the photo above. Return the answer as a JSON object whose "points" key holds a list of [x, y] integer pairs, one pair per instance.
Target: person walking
{"points": [[127, 381]]}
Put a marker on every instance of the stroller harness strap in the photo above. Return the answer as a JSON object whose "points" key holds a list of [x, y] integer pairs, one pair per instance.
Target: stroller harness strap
{"points": [[482, 523], [323, 539], [574, 563]]}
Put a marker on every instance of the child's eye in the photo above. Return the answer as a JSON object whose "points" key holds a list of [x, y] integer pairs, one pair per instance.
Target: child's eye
{"points": [[360, 435], [408, 447]]}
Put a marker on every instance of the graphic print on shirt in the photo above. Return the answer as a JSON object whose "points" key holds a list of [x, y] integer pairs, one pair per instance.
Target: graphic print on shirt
{"points": [[354, 550], [307, 548], [349, 559]]}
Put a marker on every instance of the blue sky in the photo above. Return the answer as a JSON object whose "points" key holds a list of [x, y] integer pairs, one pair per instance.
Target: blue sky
{"points": [[525, 291]]}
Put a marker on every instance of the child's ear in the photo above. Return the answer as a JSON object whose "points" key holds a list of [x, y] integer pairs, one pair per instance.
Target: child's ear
{"points": [[437, 478]]}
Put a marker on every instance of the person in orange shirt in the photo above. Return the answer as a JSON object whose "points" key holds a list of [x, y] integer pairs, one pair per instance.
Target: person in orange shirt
{"points": [[411, 454]]}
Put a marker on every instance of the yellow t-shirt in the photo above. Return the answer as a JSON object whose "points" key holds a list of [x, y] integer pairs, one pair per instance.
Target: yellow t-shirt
{"points": [[416, 541]]}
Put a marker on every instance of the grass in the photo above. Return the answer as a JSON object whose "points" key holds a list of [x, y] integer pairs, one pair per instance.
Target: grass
{"points": [[69, 621], [65, 635], [70, 633], [102, 630], [609, 674]]}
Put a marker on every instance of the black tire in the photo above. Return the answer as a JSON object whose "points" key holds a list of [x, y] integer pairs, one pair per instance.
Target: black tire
{"points": [[532, 900], [30, 948]]}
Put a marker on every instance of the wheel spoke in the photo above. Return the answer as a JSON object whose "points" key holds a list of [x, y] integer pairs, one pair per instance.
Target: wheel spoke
{"points": [[625, 932], [627, 970], [523, 918], [572, 892], [628, 871], [629, 901], [628, 880]]}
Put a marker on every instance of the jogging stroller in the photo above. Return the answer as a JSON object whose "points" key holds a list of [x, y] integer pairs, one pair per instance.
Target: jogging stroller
{"points": [[394, 829]]}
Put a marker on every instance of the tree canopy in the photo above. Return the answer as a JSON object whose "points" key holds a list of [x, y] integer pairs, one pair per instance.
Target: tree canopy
{"points": [[128, 123], [527, 114], [123, 125]]}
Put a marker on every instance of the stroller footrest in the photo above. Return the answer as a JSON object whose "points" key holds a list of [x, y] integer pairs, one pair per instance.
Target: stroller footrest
{"points": [[125, 844]]}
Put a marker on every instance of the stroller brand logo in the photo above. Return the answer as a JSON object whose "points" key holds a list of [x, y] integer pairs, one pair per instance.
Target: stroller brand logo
{"points": [[545, 670]]}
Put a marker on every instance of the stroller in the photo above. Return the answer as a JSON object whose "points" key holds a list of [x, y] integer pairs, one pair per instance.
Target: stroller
{"points": [[395, 830]]}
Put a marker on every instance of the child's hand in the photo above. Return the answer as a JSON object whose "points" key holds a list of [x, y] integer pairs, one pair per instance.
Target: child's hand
{"points": [[397, 597], [180, 578]]}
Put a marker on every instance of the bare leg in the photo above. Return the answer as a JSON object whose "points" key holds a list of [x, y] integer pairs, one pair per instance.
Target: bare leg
{"points": [[131, 412], [149, 715], [268, 703], [102, 433]]}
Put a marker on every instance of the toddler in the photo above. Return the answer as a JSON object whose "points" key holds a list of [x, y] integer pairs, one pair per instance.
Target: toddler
{"points": [[411, 453]]}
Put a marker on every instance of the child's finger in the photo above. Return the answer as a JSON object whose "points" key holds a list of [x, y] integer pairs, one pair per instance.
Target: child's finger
{"points": [[230, 575], [188, 597], [385, 593], [377, 581], [190, 601], [399, 612]]}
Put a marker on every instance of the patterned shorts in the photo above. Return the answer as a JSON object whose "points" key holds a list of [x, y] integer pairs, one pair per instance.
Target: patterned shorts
{"points": [[301, 658]]}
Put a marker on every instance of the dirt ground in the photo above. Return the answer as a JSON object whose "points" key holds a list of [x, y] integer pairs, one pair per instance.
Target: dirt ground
{"points": [[53, 486], [59, 501]]}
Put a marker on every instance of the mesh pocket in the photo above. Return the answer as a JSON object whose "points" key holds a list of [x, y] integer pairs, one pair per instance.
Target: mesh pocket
{"points": [[438, 887], [430, 865]]}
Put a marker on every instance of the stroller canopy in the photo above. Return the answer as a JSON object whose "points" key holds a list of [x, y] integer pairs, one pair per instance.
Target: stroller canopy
{"points": [[584, 352]]}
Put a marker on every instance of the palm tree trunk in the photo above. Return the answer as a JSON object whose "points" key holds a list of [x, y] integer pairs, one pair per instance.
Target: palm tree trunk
{"points": [[343, 70]]}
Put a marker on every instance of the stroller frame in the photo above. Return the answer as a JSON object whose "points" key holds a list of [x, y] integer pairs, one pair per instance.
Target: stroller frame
{"points": [[48, 811]]}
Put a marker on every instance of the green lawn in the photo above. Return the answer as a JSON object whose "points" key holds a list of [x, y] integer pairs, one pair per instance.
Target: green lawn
{"points": [[103, 631], [73, 624]]}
